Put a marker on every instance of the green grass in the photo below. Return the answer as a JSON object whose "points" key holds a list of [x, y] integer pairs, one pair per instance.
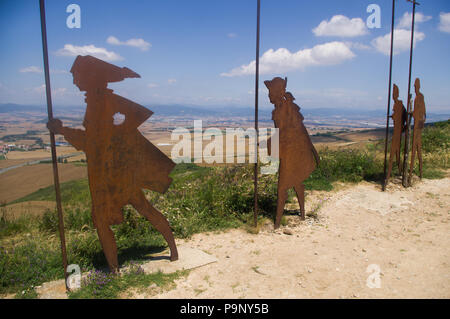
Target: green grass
{"points": [[100, 285], [24, 224], [347, 165], [436, 137], [200, 199], [28, 264], [72, 192]]}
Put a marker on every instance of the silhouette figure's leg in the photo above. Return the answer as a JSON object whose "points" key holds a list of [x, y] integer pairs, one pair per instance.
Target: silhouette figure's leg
{"points": [[143, 206], [391, 159], [300, 190], [411, 168], [282, 196], [106, 236], [419, 155], [399, 162]]}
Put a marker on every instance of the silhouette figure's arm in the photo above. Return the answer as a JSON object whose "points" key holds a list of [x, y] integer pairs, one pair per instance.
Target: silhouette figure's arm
{"points": [[75, 137], [135, 114]]}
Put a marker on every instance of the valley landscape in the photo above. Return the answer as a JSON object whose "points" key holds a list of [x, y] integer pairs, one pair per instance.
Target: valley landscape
{"points": [[214, 214]]}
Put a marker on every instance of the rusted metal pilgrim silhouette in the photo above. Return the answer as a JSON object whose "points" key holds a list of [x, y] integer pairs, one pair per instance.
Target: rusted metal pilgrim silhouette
{"points": [[298, 157], [399, 118], [120, 160], [419, 114]]}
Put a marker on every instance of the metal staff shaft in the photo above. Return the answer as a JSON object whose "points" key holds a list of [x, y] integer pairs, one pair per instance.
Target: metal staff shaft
{"points": [[52, 139], [408, 109], [255, 196], [389, 96]]}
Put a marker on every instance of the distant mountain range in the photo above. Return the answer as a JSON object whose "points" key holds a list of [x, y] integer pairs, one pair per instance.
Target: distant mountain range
{"points": [[224, 111]]}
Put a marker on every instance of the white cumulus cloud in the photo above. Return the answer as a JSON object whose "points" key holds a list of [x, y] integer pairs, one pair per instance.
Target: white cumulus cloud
{"points": [[444, 22], [41, 90], [357, 45], [100, 53], [35, 69], [137, 43], [171, 81], [406, 19], [402, 41], [152, 85], [282, 60], [31, 69], [341, 26]]}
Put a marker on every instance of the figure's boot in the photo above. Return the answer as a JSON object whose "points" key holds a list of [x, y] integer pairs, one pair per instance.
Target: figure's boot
{"points": [[300, 191], [282, 196], [419, 155], [106, 237], [162, 225], [158, 221]]}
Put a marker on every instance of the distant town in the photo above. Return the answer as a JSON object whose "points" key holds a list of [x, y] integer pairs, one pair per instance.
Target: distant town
{"points": [[22, 128]]}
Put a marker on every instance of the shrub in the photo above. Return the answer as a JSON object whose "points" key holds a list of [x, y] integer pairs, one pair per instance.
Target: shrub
{"points": [[27, 265]]}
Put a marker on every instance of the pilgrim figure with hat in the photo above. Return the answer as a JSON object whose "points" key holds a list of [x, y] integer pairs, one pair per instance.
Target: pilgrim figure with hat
{"points": [[419, 114], [298, 157], [121, 162], [399, 118]]}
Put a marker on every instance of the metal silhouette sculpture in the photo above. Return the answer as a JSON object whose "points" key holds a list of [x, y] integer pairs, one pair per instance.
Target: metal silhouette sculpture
{"points": [[399, 118], [298, 157], [120, 160], [419, 114]]}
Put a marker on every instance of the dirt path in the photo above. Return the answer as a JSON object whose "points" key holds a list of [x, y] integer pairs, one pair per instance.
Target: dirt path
{"points": [[403, 234]]}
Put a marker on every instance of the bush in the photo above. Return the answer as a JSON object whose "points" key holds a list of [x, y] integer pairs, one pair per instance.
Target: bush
{"points": [[436, 138], [27, 265], [346, 165], [49, 221], [78, 218]]}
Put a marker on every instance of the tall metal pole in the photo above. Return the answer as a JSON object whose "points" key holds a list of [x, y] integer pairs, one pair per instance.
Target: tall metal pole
{"points": [[389, 97], [408, 109], [52, 139], [255, 196]]}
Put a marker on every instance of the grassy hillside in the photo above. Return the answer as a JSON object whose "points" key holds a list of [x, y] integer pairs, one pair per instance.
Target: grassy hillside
{"points": [[200, 199]]}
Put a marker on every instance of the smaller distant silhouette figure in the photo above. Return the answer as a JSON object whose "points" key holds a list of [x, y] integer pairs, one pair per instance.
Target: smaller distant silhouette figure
{"points": [[298, 157], [399, 118], [419, 114]]}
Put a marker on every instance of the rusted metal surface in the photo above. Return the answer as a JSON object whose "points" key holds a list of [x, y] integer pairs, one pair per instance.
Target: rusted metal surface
{"points": [[419, 114], [408, 107], [399, 119], [386, 177], [52, 140], [298, 157], [121, 161], [255, 194]]}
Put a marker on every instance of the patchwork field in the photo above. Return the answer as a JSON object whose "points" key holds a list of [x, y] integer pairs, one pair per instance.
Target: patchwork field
{"points": [[22, 181]]}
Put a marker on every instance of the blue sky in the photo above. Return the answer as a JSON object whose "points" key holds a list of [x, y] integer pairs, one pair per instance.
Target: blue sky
{"points": [[200, 52]]}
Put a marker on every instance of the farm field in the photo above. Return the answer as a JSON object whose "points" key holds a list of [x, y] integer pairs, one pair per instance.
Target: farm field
{"points": [[38, 154], [22, 181]]}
